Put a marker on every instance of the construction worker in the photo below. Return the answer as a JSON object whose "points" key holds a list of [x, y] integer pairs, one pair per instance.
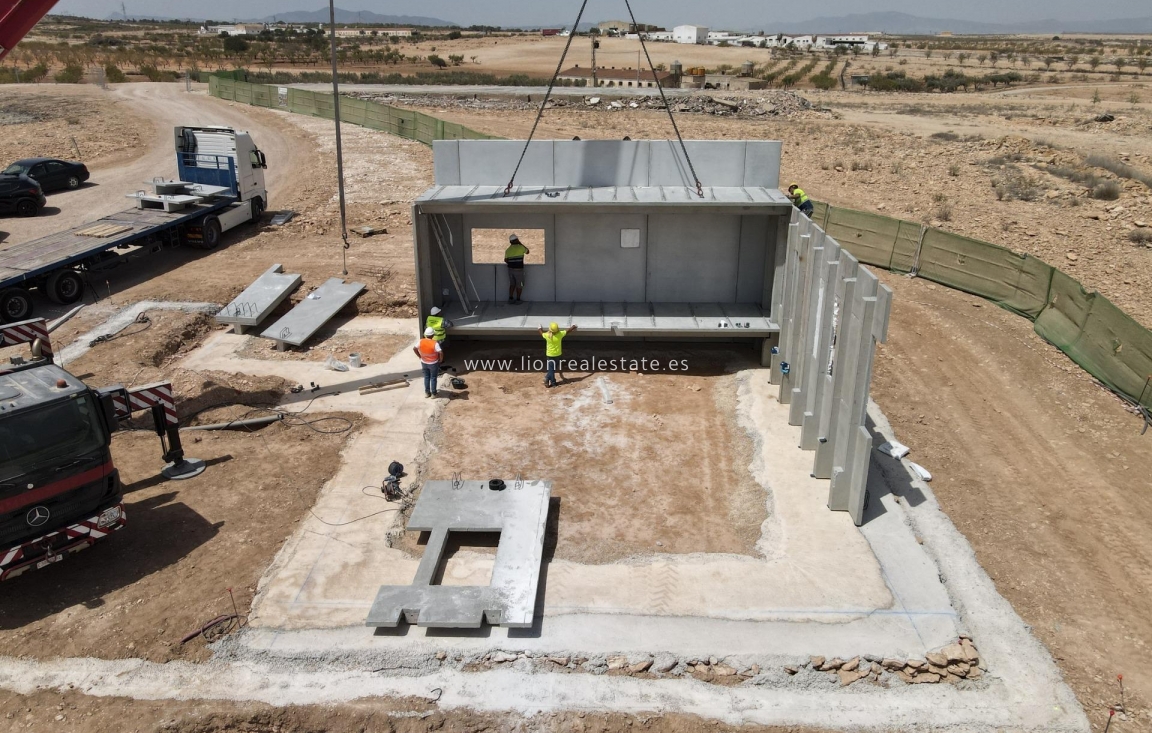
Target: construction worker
{"points": [[439, 324], [430, 355], [800, 199], [514, 258], [553, 338]]}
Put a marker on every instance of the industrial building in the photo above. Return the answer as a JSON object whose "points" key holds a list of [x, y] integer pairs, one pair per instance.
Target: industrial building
{"points": [[691, 34]]}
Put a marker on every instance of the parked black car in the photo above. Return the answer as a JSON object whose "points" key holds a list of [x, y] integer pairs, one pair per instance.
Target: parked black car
{"points": [[50, 173], [20, 195]]}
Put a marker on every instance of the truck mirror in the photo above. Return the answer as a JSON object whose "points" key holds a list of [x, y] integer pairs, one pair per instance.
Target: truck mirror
{"points": [[109, 408], [263, 160]]}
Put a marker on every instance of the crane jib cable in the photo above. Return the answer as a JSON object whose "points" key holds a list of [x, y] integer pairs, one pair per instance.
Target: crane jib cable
{"points": [[556, 75], [664, 99]]}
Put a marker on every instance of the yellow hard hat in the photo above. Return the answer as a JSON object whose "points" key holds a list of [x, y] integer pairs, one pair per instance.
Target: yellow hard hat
{"points": [[554, 328], [794, 185]]}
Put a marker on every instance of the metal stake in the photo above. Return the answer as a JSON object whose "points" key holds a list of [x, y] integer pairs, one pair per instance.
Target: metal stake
{"points": [[339, 148]]}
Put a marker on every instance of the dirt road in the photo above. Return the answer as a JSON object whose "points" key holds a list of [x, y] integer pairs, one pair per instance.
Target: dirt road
{"points": [[162, 106]]}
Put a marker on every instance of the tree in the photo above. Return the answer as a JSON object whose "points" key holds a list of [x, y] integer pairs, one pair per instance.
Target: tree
{"points": [[437, 62], [235, 45], [1048, 61], [993, 58], [456, 59], [70, 74], [1142, 63], [1093, 61], [982, 58], [875, 49], [961, 57], [1096, 96], [1071, 61], [1119, 62]]}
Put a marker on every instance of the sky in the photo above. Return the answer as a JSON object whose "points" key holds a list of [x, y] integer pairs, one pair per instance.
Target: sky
{"points": [[724, 13]]}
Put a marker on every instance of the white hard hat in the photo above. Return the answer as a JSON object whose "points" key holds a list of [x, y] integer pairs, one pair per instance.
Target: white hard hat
{"points": [[435, 311], [429, 332], [513, 238]]}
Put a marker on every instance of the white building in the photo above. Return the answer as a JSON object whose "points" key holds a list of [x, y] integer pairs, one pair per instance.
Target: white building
{"points": [[802, 42], [250, 29], [694, 34]]}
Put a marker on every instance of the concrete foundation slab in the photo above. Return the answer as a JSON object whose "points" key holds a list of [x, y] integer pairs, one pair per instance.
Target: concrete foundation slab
{"points": [[259, 299], [298, 324], [518, 512]]}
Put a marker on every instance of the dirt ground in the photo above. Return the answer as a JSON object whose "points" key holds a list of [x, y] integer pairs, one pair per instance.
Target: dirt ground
{"points": [[1043, 471], [52, 712], [662, 468], [167, 572]]}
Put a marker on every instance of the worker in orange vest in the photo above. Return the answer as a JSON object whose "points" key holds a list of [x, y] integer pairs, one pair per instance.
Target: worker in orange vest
{"points": [[430, 357]]}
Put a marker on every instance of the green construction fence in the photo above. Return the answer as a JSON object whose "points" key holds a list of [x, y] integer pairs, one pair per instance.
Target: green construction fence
{"points": [[1108, 343], [1104, 340], [402, 122]]}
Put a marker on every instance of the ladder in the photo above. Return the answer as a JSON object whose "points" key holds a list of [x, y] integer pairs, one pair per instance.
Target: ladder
{"points": [[439, 221]]}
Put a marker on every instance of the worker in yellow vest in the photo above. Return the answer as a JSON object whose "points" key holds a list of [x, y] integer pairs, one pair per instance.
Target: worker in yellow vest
{"points": [[430, 355], [514, 258], [553, 339], [800, 199], [439, 324]]}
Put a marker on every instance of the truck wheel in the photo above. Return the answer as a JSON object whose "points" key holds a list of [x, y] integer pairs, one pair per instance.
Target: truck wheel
{"points": [[257, 210], [73, 182], [64, 287], [210, 233], [15, 305], [26, 207]]}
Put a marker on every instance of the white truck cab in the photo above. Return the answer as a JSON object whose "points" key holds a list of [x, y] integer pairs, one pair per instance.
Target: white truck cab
{"points": [[222, 156]]}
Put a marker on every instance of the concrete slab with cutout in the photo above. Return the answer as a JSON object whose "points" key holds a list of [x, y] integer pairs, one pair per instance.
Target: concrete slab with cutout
{"points": [[259, 299], [519, 513]]}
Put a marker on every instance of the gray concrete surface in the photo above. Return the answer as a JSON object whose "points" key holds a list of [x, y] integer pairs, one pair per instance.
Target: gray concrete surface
{"points": [[121, 320], [252, 306], [317, 308], [518, 512]]}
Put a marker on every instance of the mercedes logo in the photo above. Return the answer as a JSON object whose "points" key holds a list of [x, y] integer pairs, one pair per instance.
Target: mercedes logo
{"points": [[37, 516]]}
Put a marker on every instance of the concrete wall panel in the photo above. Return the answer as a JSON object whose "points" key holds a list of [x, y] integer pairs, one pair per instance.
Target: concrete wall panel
{"points": [[446, 162], [590, 263], [718, 163], [491, 162], [597, 163], [762, 164], [693, 258], [754, 234]]}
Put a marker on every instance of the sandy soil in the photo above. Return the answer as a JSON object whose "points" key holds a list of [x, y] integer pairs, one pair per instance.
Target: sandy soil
{"points": [[662, 468]]}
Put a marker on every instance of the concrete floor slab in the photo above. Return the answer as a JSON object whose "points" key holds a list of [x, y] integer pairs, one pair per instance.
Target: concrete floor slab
{"points": [[519, 512]]}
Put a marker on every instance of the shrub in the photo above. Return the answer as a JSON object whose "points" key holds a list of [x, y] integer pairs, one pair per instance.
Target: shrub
{"points": [[1141, 236], [954, 170], [861, 165], [1014, 185], [235, 45], [1106, 191], [70, 74], [947, 136], [438, 62], [944, 211], [113, 74], [1121, 169]]}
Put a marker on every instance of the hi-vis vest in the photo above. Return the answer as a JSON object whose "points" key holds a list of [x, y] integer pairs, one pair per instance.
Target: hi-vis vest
{"points": [[801, 197], [514, 256], [428, 353], [436, 323]]}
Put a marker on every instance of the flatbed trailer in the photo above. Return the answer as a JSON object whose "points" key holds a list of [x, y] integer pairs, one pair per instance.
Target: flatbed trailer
{"points": [[221, 186]]}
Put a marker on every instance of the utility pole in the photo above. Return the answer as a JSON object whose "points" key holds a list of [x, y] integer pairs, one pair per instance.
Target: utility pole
{"points": [[595, 45], [339, 149]]}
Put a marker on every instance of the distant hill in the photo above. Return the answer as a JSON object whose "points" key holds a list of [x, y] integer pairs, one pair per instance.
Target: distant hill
{"points": [[905, 24], [355, 16]]}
